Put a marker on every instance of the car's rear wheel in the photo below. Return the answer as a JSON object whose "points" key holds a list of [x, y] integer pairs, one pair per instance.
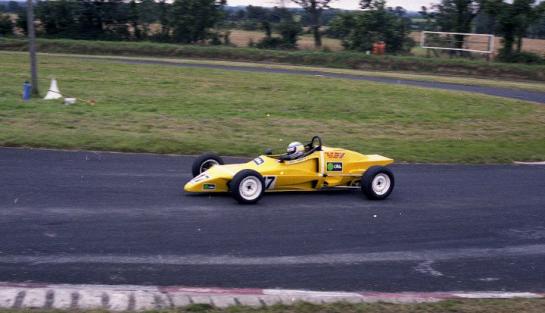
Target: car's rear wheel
{"points": [[247, 186], [205, 162], [377, 183]]}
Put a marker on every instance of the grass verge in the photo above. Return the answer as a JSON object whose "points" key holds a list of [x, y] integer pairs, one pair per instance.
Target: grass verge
{"points": [[452, 306], [345, 59], [161, 109]]}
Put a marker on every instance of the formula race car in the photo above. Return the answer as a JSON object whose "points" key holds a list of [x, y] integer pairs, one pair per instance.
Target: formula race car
{"points": [[314, 167]]}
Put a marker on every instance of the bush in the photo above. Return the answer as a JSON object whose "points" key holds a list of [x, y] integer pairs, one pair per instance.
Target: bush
{"points": [[290, 31], [227, 38], [6, 25], [270, 43], [215, 39], [522, 57]]}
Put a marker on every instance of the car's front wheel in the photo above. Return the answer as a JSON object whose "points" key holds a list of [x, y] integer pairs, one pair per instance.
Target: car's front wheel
{"points": [[377, 183], [204, 162], [247, 186]]}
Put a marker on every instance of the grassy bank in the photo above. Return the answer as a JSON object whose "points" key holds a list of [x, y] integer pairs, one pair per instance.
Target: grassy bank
{"points": [[522, 85], [459, 306], [148, 108], [344, 59]]}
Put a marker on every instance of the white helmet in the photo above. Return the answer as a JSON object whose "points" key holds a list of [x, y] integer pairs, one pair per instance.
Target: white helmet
{"points": [[296, 149]]}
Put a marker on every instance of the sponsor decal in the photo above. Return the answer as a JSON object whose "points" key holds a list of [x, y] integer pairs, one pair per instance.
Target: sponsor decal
{"points": [[334, 166], [200, 178], [209, 186], [259, 161], [334, 155]]}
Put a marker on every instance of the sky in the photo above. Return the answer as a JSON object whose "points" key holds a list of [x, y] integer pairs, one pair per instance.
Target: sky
{"points": [[412, 5]]}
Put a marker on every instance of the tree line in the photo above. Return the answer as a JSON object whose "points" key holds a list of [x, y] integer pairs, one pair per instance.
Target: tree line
{"points": [[208, 21], [183, 21], [192, 21]]}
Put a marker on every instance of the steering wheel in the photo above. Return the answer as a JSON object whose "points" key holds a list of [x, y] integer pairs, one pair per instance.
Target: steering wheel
{"points": [[314, 139], [312, 147]]}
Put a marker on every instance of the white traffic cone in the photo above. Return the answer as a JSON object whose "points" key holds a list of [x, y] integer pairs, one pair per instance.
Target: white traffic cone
{"points": [[53, 92]]}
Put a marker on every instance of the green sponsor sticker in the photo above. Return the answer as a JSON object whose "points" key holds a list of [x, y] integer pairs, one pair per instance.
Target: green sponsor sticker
{"points": [[334, 166], [209, 187]]}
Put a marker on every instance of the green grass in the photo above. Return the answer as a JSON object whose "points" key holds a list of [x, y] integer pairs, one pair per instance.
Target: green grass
{"points": [[523, 85], [345, 59], [149, 108], [458, 306]]}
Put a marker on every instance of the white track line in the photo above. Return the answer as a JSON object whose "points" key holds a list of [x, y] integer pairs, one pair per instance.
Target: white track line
{"points": [[529, 163], [350, 258]]}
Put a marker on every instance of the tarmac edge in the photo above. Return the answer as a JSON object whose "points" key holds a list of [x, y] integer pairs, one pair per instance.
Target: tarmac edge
{"points": [[139, 298]]}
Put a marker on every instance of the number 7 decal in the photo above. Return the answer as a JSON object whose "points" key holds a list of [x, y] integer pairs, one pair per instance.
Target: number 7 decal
{"points": [[270, 182]]}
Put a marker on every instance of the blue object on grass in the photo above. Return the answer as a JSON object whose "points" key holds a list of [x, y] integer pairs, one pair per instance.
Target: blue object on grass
{"points": [[27, 90]]}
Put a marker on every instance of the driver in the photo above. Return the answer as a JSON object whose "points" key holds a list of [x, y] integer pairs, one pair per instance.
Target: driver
{"points": [[294, 151]]}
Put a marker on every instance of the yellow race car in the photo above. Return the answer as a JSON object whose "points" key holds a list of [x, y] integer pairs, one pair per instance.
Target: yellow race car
{"points": [[316, 168]]}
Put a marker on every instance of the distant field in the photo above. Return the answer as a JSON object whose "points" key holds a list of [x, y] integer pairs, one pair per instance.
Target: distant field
{"points": [[530, 45], [150, 108], [241, 38]]}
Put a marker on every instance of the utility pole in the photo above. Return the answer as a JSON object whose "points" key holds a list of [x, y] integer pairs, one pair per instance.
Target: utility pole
{"points": [[32, 47]]}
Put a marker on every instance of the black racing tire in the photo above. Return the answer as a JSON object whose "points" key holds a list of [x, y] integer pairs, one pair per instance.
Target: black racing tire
{"points": [[377, 183], [204, 162], [247, 187]]}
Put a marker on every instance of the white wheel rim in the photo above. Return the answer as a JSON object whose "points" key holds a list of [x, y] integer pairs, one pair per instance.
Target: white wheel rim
{"points": [[206, 165], [381, 184], [250, 188]]}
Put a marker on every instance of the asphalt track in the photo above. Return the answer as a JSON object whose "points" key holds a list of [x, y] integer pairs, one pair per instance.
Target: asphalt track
{"points": [[518, 94], [110, 218]]}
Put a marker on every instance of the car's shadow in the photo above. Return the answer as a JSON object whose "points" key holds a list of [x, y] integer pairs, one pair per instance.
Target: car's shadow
{"points": [[278, 194]]}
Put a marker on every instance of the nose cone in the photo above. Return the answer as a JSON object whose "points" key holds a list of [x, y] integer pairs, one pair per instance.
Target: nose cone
{"points": [[213, 180], [193, 184], [190, 187], [202, 183]]}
